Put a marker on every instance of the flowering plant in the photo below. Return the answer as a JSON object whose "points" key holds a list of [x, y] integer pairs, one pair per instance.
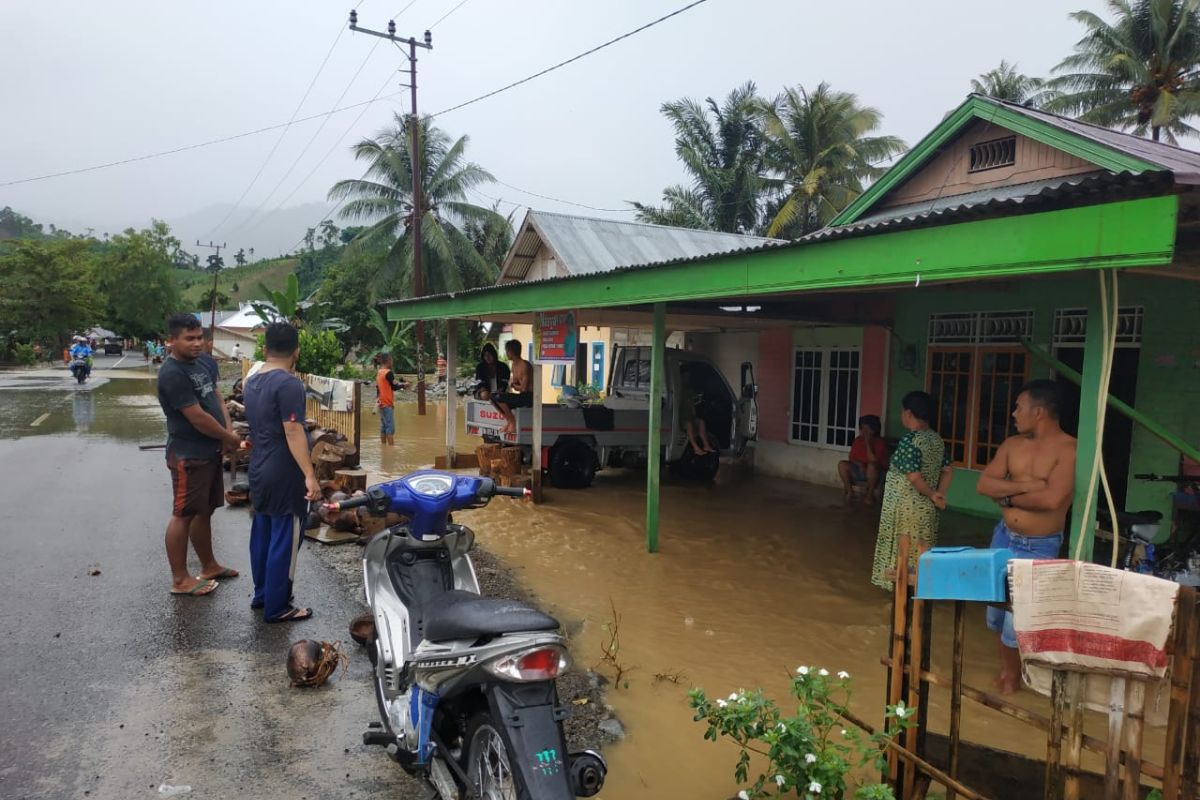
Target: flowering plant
{"points": [[808, 754]]}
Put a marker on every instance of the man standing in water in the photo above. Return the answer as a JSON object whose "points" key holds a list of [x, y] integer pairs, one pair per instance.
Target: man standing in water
{"points": [[197, 427], [1032, 478], [386, 385]]}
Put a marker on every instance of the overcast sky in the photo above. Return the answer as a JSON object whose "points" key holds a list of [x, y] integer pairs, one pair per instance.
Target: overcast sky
{"points": [[89, 82]]}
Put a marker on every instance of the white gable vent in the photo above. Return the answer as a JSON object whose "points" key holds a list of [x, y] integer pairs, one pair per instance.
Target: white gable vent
{"points": [[996, 153]]}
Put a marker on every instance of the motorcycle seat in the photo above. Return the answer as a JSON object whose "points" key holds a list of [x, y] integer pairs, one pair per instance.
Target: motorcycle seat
{"points": [[466, 615]]}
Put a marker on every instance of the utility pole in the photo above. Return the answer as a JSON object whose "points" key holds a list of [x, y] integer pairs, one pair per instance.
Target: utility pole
{"points": [[418, 202], [215, 261]]}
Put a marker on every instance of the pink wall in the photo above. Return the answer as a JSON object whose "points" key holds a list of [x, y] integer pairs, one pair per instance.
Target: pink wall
{"points": [[774, 383], [874, 371], [775, 379]]}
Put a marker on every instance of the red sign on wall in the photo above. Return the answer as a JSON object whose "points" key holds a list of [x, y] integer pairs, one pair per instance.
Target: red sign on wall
{"points": [[555, 336]]}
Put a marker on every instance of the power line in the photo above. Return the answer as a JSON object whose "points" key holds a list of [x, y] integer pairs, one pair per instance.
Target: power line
{"points": [[196, 146], [282, 134], [448, 13], [560, 200], [571, 60]]}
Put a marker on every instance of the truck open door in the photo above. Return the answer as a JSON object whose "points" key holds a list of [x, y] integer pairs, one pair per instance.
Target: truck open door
{"points": [[747, 412]]}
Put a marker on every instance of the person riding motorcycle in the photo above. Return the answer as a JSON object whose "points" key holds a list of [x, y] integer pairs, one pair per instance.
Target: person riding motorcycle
{"points": [[83, 352]]}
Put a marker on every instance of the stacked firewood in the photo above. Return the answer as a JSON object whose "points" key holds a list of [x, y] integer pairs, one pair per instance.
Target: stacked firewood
{"points": [[502, 464]]}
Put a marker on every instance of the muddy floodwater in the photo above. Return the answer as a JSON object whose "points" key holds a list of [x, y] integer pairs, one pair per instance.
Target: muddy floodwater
{"points": [[754, 578]]}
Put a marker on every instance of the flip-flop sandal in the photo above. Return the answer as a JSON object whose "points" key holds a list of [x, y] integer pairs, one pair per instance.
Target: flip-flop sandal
{"points": [[195, 591], [293, 614], [225, 574]]}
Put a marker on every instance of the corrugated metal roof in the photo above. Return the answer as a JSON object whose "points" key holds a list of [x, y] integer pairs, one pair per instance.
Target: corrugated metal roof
{"points": [[998, 199], [585, 245], [1183, 164]]}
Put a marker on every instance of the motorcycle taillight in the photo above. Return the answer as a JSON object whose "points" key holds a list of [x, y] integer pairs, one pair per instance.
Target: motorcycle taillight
{"points": [[542, 664]]}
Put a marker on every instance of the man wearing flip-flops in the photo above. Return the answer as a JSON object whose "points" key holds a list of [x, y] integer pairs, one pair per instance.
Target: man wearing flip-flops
{"points": [[198, 427]]}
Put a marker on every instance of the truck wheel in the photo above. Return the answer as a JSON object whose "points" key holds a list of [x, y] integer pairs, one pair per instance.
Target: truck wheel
{"points": [[572, 465]]}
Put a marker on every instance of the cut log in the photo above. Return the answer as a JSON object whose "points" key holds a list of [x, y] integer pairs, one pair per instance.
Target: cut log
{"points": [[351, 480], [511, 456], [484, 455]]}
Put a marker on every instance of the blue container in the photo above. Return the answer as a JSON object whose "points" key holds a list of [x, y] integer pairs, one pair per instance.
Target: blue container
{"points": [[964, 573]]}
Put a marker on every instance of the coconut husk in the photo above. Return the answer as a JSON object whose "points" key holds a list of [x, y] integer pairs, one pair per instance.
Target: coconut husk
{"points": [[310, 663], [362, 628]]}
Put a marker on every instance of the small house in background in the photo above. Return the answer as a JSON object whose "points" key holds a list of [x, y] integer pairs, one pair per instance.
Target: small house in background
{"points": [[549, 245], [240, 327]]}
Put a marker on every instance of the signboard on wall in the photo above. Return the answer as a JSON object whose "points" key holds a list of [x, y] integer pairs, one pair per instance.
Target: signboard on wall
{"points": [[555, 337]]}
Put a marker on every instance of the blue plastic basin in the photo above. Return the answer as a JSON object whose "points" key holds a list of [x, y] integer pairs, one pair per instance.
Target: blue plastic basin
{"points": [[964, 573]]}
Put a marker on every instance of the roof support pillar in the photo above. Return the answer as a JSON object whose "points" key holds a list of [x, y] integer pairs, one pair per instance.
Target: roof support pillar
{"points": [[535, 453], [658, 354], [1083, 513], [451, 390]]}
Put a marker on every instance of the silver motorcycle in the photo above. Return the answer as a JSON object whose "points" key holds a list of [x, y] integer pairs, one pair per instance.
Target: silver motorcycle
{"points": [[464, 683]]}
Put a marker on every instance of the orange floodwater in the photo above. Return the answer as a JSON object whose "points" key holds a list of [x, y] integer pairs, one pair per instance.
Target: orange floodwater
{"points": [[753, 578]]}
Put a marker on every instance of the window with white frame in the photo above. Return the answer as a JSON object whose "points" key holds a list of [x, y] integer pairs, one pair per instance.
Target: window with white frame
{"points": [[825, 395]]}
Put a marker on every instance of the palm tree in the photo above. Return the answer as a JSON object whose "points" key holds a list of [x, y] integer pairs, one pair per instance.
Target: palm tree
{"points": [[820, 154], [383, 198], [1140, 72], [721, 147], [1005, 83]]}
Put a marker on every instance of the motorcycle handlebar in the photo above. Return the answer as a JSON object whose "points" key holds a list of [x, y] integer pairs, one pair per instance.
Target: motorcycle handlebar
{"points": [[353, 502], [512, 491]]}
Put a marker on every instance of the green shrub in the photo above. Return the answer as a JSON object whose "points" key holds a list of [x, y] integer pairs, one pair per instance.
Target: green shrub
{"points": [[320, 352], [24, 354], [809, 754]]}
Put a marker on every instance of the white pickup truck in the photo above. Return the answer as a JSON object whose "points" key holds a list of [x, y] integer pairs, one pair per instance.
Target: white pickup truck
{"points": [[577, 441]]}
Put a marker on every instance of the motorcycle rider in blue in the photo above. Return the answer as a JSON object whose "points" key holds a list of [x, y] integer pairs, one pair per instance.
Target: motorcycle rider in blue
{"points": [[282, 480], [81, 350]]}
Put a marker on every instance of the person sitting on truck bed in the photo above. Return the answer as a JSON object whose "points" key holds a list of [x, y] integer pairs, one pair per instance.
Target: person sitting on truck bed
{"points": [[689, 401], [491, 372], [520, 388]]}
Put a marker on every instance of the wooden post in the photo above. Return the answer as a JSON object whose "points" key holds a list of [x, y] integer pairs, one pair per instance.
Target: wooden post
{"points": [[1053, 785], [899, 634], [916, 648], [355, 459], [1184, 637], [1076, 683], [1116, 727], [452, 390], [1135, 710], [658, 354], [1191, 752], [956, 684], [535, 458], [1083, 527]]}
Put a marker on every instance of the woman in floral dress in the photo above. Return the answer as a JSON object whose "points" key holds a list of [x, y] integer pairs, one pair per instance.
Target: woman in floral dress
{"points": [[915, 487]]}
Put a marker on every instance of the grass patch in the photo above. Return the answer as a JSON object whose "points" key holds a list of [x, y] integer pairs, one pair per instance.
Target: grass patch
{"points": [[272, 273]]}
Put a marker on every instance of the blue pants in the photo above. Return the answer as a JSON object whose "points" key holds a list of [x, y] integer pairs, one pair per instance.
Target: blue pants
{"points": [[1030, 547], [387, 420], [274, 545]]}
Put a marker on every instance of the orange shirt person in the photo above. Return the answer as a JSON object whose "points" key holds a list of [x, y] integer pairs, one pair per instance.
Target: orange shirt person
{"points": [[386, 384]]}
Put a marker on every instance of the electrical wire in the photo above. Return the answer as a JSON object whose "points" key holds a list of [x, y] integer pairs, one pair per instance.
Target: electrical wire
{"points": [[564, 202], [196, 146], [571, 60], [448, 13], [282, 134]]}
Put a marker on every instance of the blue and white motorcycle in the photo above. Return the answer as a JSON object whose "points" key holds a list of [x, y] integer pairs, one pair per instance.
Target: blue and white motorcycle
{"points": [[464, 683]]}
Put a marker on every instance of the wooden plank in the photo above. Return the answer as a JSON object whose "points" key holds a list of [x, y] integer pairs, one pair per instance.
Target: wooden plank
{"points": [[956, 684], [1135, 709], [1191, 751], [536, 454], [1052, 788], [899, 635], [1075, 738], [1184, 639], [916, 647], [1116, 727]]}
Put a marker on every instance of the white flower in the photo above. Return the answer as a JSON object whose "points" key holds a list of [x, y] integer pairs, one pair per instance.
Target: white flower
{"points": [[810, 759], [801, 670], [733, 696], [824, 673], [721, 704], [843, 674], [901, 711], [845, 732], [782, 728], [780, 780], [743, 795], [814, 787]]}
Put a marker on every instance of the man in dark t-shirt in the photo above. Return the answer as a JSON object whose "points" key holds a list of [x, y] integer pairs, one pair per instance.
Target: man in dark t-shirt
{"points": [[282, 481], [198, 427]]}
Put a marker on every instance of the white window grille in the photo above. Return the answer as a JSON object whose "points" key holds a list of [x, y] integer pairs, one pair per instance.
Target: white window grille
{"points": [[980, 327], [825, 395], [1070, 326]]}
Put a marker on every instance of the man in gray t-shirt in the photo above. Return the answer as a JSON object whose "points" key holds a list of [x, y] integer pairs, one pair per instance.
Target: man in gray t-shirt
{"points": [[198, 428]]}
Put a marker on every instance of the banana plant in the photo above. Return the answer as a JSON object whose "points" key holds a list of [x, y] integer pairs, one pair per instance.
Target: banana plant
{"points": [[288, 306], [397, 340]]}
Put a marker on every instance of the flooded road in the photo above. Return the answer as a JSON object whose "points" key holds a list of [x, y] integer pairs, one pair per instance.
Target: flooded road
{"points": [[753, 579]]}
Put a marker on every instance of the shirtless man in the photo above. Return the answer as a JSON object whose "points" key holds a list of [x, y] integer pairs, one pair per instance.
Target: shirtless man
{"points": [[1032, 478], [520, 386]]}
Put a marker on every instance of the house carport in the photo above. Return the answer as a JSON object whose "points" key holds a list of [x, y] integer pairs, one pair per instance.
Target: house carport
{"points": [[822, 280]]}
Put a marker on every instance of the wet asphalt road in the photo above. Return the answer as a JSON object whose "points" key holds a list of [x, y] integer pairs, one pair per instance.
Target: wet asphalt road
{"points": [[112, 687]]}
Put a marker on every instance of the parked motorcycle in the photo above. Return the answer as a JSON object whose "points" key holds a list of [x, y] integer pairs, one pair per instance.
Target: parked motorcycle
{"points": [[80, 369], [464, 683]]}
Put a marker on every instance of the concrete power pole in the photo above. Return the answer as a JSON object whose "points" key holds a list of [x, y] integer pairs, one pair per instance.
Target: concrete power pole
{"points": [[216, 262], [418, 202]]}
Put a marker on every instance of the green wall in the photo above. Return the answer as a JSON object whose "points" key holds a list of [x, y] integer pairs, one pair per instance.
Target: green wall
{"points": [[1168, 387]]}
